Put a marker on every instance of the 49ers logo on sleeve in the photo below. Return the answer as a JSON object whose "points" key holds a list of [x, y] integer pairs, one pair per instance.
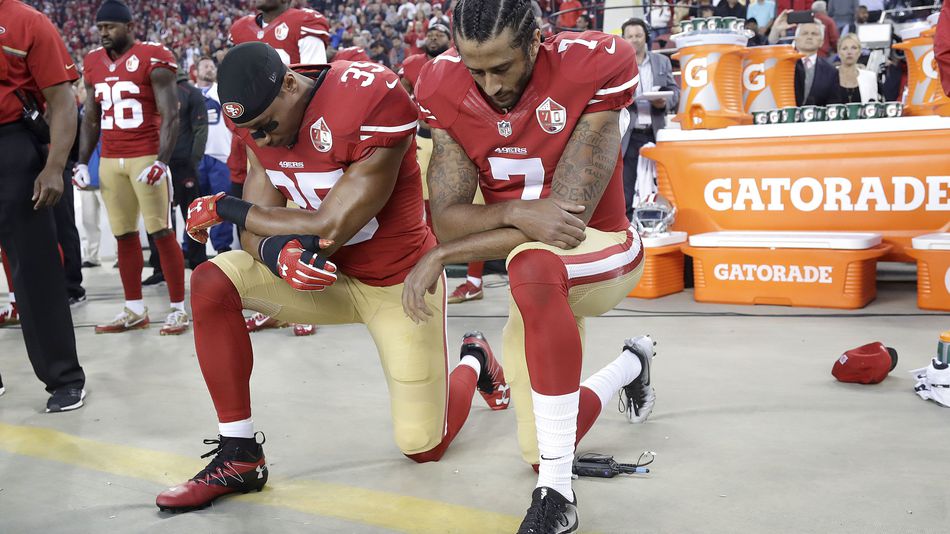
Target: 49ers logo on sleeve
{"points": [[320, 136], [281, 31], [132, 64], [551, 116], [233, 109]]}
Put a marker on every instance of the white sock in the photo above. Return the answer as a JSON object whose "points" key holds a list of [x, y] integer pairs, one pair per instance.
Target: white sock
{"points": [[237, 429], [12, 298], [180, 306], [556, 421], [472, 362], [137, 306], [615, 375], [477, 282]]}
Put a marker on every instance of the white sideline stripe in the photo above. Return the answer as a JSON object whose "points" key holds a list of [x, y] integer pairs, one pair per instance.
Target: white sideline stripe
{"points": [[607, 264], [612, 90], [390, 129]]}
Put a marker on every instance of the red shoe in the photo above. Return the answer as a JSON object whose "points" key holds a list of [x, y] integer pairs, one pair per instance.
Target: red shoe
{"points": [[237, 467], [465, 292], [9, 315], [304, 329], [259, 321], [491, 381]]}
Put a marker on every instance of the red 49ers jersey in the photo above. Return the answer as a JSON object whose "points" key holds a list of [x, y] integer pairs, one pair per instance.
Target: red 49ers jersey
{"points": [[412, 66], [284, 32], [358, 107], [517, 152], [130, 121]]}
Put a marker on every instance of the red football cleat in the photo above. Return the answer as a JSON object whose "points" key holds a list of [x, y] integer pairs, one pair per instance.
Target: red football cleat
{"points": [[9, 315], [237, 467], [465, 292], [259, 321], [491, 381], [304, 329]]}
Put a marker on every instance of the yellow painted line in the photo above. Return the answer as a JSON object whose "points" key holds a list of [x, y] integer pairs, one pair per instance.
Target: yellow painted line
{"points": [[371, 507]]}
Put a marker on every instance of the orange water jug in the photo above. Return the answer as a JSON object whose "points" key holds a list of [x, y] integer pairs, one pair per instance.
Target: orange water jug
{"points": [[711, 86], [924, 94], [768, 78]]}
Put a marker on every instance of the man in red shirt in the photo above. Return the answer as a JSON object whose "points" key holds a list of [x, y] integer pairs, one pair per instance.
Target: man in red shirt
{"points": [[537, 126], [337, 140], [132, 102], [36, 73]]}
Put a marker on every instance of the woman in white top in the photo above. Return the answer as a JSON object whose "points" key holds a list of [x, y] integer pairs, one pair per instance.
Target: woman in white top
{"points": [[856, 84]]}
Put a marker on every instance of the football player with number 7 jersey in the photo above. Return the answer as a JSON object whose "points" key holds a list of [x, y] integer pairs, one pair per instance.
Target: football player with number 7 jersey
{"points": [[132, 104], [537, 126], [338, 140]]}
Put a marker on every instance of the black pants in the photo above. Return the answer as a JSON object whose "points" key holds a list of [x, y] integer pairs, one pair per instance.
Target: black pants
{"points": [[185, 181], [638, 138], [29, 238], [64, 213]]}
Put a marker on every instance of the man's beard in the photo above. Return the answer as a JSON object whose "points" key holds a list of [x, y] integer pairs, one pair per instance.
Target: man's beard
{"points": [[438, 51]]}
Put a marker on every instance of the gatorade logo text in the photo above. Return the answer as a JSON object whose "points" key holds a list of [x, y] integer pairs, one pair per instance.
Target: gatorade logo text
{"points": [[929, 65], [897, 193], [753, 77], [695, 72], [804, 274]]}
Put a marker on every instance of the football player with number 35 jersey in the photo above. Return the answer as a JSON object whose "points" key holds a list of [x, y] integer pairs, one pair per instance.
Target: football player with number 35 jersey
{"points": [[338, 140], [132, 103], [537, 126]]}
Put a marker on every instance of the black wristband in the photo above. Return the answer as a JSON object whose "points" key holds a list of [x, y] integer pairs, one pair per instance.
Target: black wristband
{"points": [[269, 250], [233, 209]]}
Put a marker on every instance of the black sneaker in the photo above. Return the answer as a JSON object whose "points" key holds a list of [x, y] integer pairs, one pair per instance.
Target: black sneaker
{"points": [[237, 467], [89, 264], [76, 301], [550, 513], [637, 398], [154, 280], [64, 400]]}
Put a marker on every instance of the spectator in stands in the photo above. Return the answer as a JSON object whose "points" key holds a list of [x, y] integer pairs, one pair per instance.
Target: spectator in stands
{"points": [[683, 10], [830, 43], [378, 54], [762, 11], [792, 5], [875, 9], [730, 8], [855, 84], [843, 12], [570, 12], [437, 16], [646, 117], [706, 11], [583, 24], [816, 80], [757, 38], [397, 54], [407, 9], [860, 17], [415, 39], [661, 15]]}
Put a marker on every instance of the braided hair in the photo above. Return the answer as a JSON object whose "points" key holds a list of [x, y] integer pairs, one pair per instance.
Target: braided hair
{"points": [[481, 20]]}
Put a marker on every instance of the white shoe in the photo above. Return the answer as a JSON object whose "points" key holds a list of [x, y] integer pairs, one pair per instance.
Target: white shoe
{"points": [[176, 323], [124, 321], [637, 398]]}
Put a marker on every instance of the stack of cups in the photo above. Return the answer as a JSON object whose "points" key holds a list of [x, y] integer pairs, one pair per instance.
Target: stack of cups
{"points": [[833, 112], [713, 25]]}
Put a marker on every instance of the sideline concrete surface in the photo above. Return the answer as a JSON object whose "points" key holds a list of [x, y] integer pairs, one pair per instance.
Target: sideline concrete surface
{"points": [[752, 433]]}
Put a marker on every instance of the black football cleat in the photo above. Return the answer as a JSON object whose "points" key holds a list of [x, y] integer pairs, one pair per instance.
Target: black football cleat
{"points": [[637, 398], [550, 513]]}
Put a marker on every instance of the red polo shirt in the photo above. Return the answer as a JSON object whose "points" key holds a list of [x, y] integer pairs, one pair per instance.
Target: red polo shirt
{"points": [[34, 57]]}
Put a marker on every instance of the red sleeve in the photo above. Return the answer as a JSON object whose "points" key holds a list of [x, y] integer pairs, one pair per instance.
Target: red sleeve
{"points": [[433, 91], [162, 58], [313, 24], [616, 76], [47, 58], [392, 119], [942, 47]]}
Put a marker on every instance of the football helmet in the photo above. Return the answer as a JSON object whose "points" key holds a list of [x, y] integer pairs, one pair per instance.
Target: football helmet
{"points": [[653, 215]]}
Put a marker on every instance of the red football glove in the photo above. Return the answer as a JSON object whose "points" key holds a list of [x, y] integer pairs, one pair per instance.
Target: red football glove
{"points": [[297, 262], [153, 174], [202, 214]]}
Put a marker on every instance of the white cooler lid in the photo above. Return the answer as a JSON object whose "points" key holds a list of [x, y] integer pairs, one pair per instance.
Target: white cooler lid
{"points": [[826, 240], [670, 238], [932, 242]]}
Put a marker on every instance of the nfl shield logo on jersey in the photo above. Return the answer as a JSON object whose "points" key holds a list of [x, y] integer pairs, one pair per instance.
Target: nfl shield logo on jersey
{"points": [[132, 64], [320, 136], [551, 116], [504, 128], [281, 31]]}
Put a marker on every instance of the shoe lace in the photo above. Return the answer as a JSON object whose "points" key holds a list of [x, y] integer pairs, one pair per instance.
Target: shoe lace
{"points": [[627, 401], [174, 318], [541, 518], [217, 463]]}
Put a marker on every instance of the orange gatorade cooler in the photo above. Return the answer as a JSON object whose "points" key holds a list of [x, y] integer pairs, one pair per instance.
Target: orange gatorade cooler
{"points": [[711, 66], [924, 93], [662, 267], [932, 252], [818, 269], [768, 78]]}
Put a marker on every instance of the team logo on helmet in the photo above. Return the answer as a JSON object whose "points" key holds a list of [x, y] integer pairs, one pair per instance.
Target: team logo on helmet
{"points": [[504, 128], [281, 31], [233, 109], [320, 136], [551, 116], [132, 64]]}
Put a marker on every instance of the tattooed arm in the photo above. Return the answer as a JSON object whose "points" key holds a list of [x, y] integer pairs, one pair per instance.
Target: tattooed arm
{"points": [[588, 161]]}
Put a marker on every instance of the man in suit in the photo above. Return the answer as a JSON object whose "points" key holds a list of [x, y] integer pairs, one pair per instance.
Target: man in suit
{"points": [[816, 80], [646, 117]]}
